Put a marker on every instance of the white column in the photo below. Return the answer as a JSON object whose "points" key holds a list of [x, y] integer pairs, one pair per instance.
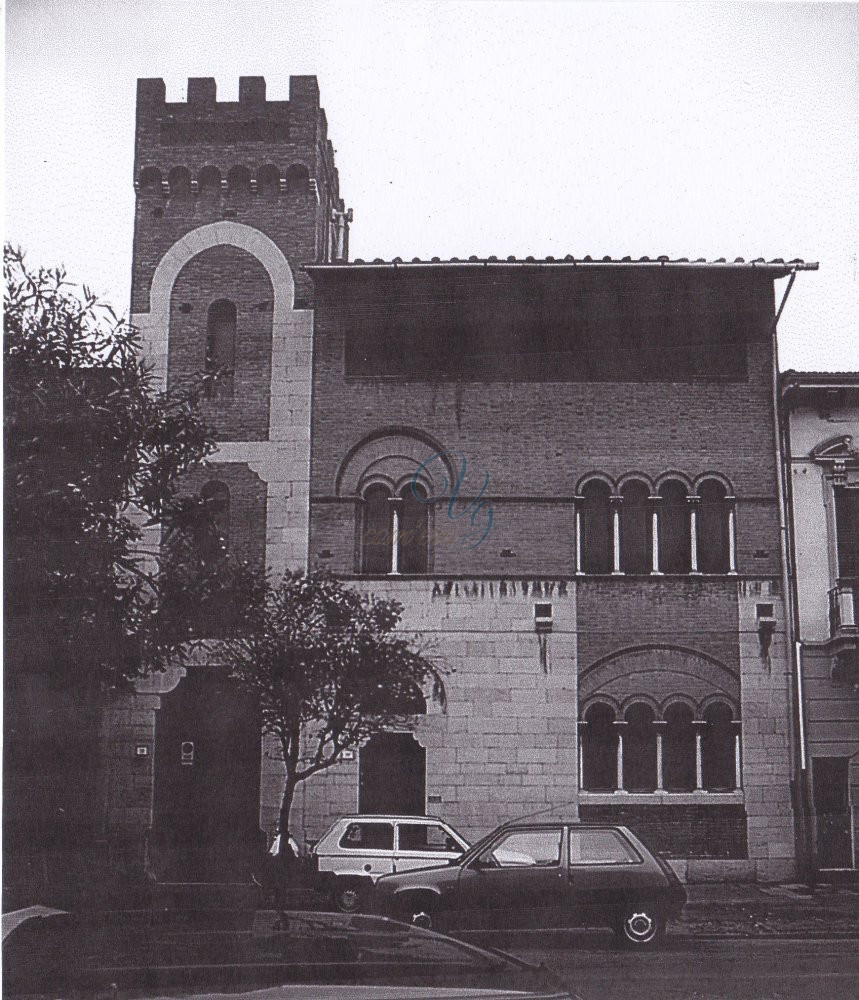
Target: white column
{"points": [[738, 756], [395, 542], [620, 727], [578, 537], [732, 539], [654, 541], [699, 769], [660, 726], [693, 527], [615, 522], [581, 755]]}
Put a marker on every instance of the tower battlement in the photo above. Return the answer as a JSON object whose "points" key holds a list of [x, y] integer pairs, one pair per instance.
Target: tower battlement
{"points": [[250, 133]]}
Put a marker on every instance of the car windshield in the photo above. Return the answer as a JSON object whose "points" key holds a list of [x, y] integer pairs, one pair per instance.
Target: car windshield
{"points": [[143, 954]]}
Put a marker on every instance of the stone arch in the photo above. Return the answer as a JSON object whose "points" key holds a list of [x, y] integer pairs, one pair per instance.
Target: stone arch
{"points": [[678, 699], [600, 699], [391, 456], [716, 477], [718, 699], [599, 476], [634, 477], [670, 476], [155, 323], [640, 699], [659, 672]]}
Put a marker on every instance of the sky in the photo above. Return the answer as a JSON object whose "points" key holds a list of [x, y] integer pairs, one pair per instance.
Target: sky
{"points": [[694, 130]]}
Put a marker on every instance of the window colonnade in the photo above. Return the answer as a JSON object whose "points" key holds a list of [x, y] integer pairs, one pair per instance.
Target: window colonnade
{"points": [[644, 750]]}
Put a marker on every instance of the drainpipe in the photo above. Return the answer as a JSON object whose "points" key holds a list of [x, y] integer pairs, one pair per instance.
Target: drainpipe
{"points": [[781, 438]]}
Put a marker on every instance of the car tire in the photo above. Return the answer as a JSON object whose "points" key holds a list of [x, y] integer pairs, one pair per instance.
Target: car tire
{"points": [[349, 895], [639, 927]]}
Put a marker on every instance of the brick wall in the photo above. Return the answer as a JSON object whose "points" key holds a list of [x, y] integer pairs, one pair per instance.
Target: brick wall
{"points": [[696, 614], [680, 831], [225, 272], [537, 439]]}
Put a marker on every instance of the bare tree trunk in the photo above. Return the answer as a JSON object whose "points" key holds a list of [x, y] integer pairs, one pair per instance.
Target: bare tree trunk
{"points": [[289, 786]]}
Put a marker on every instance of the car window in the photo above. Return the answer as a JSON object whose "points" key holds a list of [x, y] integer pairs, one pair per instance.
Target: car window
{"points": [[527, 849], [601, 847], [368, 837], [426, 837]]}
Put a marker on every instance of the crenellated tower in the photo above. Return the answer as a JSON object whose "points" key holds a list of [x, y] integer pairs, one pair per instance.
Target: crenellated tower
{"points": [[232, 200]]}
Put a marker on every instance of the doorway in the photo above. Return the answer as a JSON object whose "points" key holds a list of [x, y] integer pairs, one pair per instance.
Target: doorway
{"points": [[207, 781], [392, 775], [834, 846]]}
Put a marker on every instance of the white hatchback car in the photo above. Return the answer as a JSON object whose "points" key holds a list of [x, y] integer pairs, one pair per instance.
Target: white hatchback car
{"points": [[357, 850]]}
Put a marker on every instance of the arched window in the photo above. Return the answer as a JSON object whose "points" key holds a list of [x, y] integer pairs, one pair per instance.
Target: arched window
{"points": [[675, 539], [394, 535], [412, 542], [268, 181], [635, 529], [209, 181], [678, 749], [376, 534], [239, 180], [221, 346], [216, 496], [599, 749], [713, 528], [179, 180], [297, 177], [639, 749], [718, 769], [596, 537], [150, 181]]}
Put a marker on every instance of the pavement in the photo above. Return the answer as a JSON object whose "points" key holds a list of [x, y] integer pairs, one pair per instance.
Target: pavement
{"points": [[753, 969]]}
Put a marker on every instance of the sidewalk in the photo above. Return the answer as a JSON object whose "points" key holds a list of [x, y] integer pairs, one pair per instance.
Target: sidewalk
{"points": [[752, 910]]}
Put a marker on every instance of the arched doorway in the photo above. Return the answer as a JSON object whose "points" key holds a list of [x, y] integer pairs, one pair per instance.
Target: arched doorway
{"points": [[207, 781], [392, 775]]}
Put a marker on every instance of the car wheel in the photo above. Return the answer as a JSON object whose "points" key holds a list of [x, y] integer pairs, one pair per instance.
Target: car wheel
{"points": [[639, 927], [422, 918], [349, 895]]}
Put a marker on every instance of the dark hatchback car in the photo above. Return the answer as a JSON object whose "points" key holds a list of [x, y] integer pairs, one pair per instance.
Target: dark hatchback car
{"points": [[543, 874]]}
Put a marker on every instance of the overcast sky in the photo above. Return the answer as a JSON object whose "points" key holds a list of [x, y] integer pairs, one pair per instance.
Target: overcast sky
{"points": [[480, 128]]}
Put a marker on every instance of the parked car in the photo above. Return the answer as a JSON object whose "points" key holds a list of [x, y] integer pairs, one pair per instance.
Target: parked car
{"points": [[357, 850], [249, 955], [543, 874]]}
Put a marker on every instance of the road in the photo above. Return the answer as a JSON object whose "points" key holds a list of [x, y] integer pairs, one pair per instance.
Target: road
{"points": [[687, 969]]}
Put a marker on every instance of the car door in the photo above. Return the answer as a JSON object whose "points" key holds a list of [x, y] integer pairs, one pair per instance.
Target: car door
{"points": [[605, 870], [425, 844], [518, 880], [365, 848]]}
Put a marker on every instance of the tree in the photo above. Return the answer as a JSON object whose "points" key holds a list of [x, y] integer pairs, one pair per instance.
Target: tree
{"points": [[93, 452], [328, 671]]}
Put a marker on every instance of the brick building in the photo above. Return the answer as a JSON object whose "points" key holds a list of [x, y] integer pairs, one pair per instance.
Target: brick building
{"points": [[822, 419], [605, 586]]}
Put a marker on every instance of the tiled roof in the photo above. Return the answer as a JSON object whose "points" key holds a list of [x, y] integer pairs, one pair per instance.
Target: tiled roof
{"points": [[791, 379], [778, 263]]}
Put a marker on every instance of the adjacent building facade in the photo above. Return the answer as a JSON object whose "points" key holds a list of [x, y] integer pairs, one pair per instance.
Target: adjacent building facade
{"points": [[563, 469], [822, 419]]}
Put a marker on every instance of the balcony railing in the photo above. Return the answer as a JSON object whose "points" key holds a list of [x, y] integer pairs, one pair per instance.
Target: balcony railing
{"points": [[844, 608]]}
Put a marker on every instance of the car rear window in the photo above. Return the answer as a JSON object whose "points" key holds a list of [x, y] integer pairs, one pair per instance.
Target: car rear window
{"points": [[368, 837], [426, 837], [601, 847]]}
